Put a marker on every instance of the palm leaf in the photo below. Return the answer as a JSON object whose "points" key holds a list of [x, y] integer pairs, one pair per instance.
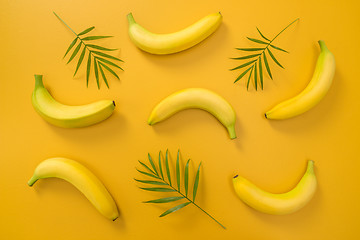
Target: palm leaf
{"points": [[149, 169], [273, 58], [101, 48], [178, 170], [243, 74], [246, 57], [277, 48], [243, 65], [248, 82], [165, 186], [159, 189], [260, 56], [267, 65], [103, 75], [262, 35], [250, 49], [86, 31], [107, 56], [148, 174], [261, 74], [94, 38], [71, 45], [152, 164], [257, 40], [75, 52], [255, 76], [110, 70], [80, 60], [167, 167], [196, 182], [165, 200], [174, 209], [99, 63], [88, 68], [160, 167], [150, 182], [186, 178], [108, 62]]}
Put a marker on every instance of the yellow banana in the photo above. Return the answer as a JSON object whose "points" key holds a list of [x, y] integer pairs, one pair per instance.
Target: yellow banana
{"points": [[313, 93], [278, 204], [68, 116], [196, 98], [81, 177], [173, 42]]}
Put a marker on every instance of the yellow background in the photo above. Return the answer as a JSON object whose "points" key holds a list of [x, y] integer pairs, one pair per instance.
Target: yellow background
{"points": [[272, 154]]}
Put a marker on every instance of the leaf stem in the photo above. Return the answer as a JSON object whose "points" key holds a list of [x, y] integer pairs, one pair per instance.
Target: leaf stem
{"points": [[178, 191], [284, 30], [65, 24]]}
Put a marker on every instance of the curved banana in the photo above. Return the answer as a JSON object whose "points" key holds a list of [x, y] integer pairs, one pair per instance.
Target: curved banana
{"points": [[196, 98], [173, 42], [313, 93], [278, 204], [68, 116], [81, 177]]}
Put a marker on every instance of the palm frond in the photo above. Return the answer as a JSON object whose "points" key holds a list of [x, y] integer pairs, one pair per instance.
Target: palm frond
{"points": [[255, 65], [95, 54], [161, 184]]}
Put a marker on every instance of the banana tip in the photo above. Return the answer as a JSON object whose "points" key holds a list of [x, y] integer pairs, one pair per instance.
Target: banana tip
{"points": [[114, 103], [236, 176], [115, 219], [265, 115]]}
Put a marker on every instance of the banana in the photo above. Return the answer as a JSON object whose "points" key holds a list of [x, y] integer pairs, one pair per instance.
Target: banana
{"points": [[68, 116], [81, 177], [196, 98], [278, 204], [313, 93], [173, 42]]}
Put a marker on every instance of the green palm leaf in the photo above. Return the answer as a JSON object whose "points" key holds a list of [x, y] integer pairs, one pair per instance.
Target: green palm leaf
{"points": [[248, 82], [273, 58], [95, 38], [99, 63], [103, 75], [178, 170], [74, 52], [257, 41], [107, 56], [101, 48], [159, 189], [262, 35], [186, 178], [174, 209], [71, 45], [148, 174], [80, 60], [267, 65], [86, 31], [167, 187], [150, 182], [167, 166], [160, 167], [243, 74], [165, 200], [152, 164], [243, 65], [110, 70], [256, 64]]}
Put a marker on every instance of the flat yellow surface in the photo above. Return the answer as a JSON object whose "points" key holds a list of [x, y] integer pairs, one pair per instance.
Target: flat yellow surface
{"points": [[272, 154]]}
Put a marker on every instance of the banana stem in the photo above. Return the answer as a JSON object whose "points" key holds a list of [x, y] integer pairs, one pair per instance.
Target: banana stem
{"points": [[32, 180], [130, 19], [323, 46], [231, 131], [38, 81]]}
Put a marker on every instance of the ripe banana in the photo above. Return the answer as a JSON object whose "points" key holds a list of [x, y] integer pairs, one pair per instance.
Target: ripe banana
{"points": [[68, 116], [196, 98], [313, 93], [81, 177], [173, 42], [278, 204]]}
